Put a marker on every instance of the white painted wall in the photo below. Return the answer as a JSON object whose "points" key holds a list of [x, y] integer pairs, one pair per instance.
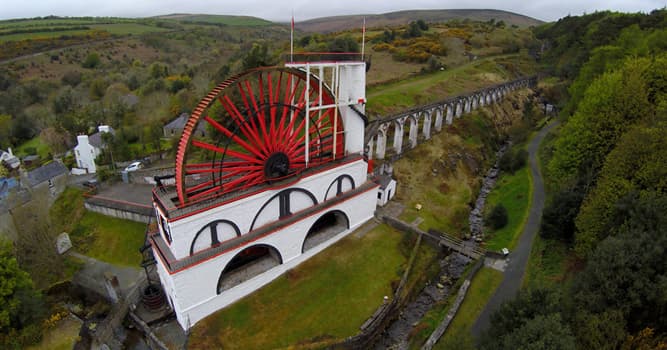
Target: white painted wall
{"points": [[194, 291], [386, 194], [85, 154], [243, 211]]}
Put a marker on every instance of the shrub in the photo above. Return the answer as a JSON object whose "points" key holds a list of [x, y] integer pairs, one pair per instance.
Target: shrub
{"points": [[513, 160], [497, 219], [92, 61]]}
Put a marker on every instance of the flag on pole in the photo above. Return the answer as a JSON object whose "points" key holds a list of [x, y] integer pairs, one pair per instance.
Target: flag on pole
{"points": [[291, 41], [363, 39]]}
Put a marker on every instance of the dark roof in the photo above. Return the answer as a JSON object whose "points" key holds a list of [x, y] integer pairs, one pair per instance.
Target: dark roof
{"points": [[384, 180], [46, 172], [179, 123], [96, 140]]}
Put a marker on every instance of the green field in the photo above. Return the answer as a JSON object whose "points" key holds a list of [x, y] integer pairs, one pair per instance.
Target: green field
{"points": [[42, 148], [514, 192], [324, 299], [226, 20], [114, 29], [105, 238], [115, 241]]}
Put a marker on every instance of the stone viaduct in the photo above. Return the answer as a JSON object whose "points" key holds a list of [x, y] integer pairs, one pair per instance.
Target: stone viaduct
{"points": [[427, 119]]}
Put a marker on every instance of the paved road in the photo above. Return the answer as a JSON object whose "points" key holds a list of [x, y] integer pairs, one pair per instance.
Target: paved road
{"points": [[518, 259]]}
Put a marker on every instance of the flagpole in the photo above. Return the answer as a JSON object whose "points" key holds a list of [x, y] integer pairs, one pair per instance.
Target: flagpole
{"points": [[291, 40], [363, 39]]}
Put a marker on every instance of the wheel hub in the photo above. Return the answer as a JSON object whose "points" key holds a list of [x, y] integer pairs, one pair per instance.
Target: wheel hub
{"points": [[277, 165]]}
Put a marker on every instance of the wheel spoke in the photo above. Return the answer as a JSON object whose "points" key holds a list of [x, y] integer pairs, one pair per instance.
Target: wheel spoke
{"points": [[231, 135], [221, 150], [268, 116]]}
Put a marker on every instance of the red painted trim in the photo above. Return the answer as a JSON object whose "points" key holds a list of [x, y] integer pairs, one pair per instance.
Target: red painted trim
{"points": [[254, 240], [261, 190]]}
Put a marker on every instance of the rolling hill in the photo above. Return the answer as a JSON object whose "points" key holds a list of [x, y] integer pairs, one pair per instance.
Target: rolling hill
{"points": [[338, 23], [217, 19]]}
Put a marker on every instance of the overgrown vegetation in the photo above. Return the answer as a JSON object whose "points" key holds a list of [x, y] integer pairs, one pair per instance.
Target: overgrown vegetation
{"points": [[608, 204]]}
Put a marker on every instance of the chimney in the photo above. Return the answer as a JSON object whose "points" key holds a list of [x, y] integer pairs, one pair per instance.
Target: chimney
{"points": [[9, 150]]}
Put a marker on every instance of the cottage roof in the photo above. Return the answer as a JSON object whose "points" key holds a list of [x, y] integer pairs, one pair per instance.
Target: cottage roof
{"points": [[385, 180], [96, 140], [179, 123], [46, 172]]}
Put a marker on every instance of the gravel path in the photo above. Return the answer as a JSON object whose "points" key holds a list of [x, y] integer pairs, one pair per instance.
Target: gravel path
{"points": [[518, 259]]}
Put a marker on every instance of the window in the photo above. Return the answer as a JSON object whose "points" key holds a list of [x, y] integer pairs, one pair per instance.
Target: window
{"points": [[379, 194]]}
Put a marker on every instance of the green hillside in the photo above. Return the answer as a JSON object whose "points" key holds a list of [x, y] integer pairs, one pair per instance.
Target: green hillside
{"points": [[338, 23], [218, 19]]}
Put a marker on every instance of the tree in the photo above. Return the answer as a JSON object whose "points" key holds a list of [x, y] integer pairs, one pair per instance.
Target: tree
{"points": [[627, 272], [498, 217], [560, 212], [36, 243], [515, 313], [541, 332], [5, 130], [613, 102], [21, 305], [56, 138], [636, 164], [258, 56]]}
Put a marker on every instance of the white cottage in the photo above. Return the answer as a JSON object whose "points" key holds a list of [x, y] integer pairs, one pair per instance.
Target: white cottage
{"points": [[89, 147], [387, 189]]}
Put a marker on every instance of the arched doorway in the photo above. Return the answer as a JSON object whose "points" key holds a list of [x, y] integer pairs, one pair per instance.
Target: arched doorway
{"points": [[247, 264], [325, 228]]}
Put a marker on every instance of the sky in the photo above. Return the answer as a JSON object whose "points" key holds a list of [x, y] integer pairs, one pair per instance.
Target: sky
{"points": [[279, 10]]}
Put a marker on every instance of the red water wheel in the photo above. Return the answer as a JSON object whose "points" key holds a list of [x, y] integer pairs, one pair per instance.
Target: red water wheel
{"points": [[256, 131]]}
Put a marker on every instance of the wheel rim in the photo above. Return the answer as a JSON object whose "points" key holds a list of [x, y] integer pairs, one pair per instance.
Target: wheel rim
{"points": [[257, 128]]}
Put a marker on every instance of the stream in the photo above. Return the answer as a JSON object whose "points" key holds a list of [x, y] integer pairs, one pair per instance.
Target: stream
{"points": [[397, 335], [476, 218]]}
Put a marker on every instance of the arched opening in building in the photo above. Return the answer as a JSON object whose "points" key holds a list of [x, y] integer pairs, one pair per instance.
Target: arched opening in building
{"points": [[247, 264], [325, 228]]}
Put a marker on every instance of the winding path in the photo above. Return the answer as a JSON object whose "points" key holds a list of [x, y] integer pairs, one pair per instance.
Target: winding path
{"points": [[518, 259]]}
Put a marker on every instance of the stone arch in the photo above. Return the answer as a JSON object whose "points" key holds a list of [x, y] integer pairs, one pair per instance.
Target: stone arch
{"points": [[248, 263], [324, 228], [450, 113], [381, 144], [282, 201], [343, 183], [413, 133], [426, 125], [399, 129], [218, 231], [439, 111]]}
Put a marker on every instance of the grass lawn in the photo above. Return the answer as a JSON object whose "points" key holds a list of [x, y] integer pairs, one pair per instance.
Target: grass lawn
{"points": [[62, 337], [514, 192], [42, 148], [326, 298], [105, 238], [458, 334], [113, 240]]}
